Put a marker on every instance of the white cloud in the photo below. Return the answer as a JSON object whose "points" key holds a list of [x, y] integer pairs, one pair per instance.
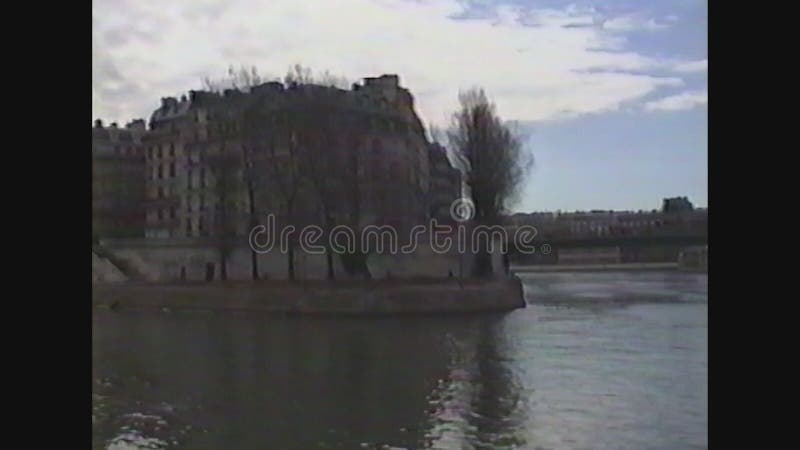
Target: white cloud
{"points": [[633, 22], [691, 66], [563, 66], [684, 100]]}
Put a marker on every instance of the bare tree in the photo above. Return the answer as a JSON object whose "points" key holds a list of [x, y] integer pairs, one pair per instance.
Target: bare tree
{"points": [[234, 168], [353, 133], [318, 128], [224, 162], [292, 143], [492, 159], [283, 150], [300, 75], [319, 142], [241, 79], [251, 179]]}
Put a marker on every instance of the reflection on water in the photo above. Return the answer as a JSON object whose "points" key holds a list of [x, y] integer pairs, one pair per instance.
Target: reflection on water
{"points": [[596, 361]]}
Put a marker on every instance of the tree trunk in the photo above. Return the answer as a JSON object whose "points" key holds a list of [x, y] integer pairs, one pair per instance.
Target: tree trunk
{"points": [[223, 267], [290, 253], [483, 264], [483, 260], [329, 261], [254, 264], [328, 249], [290, 261], [253, 255]]}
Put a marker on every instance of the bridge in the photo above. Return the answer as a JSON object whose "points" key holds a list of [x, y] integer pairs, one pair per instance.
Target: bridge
{"points": [[641, 238], [646, 246], [679, 240]]}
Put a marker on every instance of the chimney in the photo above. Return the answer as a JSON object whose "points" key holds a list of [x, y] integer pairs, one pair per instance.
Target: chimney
{"points": [[137, 124], [98, 123], [113, 124], [391, 80], [168, 102]]}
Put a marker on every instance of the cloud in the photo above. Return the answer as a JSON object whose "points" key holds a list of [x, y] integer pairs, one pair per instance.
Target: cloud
{"points": [[684, 100], [537, 63], [633, 22], [691, 66]]}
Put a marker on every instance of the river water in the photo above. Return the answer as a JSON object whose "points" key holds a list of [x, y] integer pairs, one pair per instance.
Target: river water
{"points": [[596, 361]]}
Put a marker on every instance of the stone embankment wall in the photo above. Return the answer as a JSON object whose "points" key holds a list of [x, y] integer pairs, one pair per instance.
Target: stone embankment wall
{"points": [[362, 298], [103, 271], [174, 260]]}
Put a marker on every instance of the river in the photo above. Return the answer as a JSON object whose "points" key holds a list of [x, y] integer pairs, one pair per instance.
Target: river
{"points": [[608, 360]]}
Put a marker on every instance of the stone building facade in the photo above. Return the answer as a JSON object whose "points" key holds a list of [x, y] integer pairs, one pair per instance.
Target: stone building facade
{"points": [[207, 170], [445, 184], [118, 180]]}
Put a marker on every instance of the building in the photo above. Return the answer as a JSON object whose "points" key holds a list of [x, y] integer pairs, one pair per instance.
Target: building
{"points": [[445, 183], [679, 219], [208, 173], [118, 181], [677, 204]]}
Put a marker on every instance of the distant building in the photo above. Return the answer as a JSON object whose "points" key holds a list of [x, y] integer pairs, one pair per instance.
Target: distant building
{"points": [[677, 204], [118, 182], [680, 219]]}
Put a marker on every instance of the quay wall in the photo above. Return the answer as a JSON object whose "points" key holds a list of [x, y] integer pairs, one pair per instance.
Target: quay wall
{"points": [[166, 260], [363, 298]]}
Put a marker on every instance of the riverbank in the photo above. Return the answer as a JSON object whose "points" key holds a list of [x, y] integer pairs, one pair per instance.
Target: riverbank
{"points": [[596, 267], [354, 298]]}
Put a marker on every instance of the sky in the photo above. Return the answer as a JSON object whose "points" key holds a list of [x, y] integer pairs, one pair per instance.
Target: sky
{"points": [[610, 97]]}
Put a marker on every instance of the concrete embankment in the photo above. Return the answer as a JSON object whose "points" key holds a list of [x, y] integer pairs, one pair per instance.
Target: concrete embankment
{"points": [[595, 267], [363, 298], [104, 271]]}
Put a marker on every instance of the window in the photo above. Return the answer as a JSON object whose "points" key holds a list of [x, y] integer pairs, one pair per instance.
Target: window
{"points": [[202, 177], [188, 227], [160, 216], [160, 171], [171, 149], [160, 153], [202, 202], [160, 194], [150, 153], [188, 203], [172, 212], [189, 180], [200, 225], [172, 169]]}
